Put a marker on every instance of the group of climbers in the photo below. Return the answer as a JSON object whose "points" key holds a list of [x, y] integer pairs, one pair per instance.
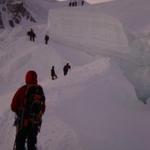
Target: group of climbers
{"points": [[74, 3], [28, 104], [65, 71], [32, 36]]}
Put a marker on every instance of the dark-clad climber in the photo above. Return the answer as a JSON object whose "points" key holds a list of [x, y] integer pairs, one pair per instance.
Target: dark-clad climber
{"points": [[66, 68], [46, 39], [31, 35], [53, 74]]}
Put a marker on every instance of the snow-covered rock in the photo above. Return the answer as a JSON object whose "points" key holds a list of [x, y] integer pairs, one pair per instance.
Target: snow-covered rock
{"points": [[13, 12]]}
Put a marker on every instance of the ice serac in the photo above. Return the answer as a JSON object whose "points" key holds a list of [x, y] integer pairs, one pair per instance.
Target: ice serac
{"points": [[88, 30]]}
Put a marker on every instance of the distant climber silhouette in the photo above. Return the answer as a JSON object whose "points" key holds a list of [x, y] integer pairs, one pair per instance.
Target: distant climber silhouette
{"points": [[66, 69], [82, 2], [46, 38], [31, 35], [53, 74]]}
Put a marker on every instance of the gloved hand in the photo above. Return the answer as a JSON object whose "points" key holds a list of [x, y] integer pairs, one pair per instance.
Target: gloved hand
{"points": [[17, 121]]}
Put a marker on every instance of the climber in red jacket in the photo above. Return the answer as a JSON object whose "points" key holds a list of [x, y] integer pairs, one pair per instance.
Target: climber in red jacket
{"points": [[29, 105]]}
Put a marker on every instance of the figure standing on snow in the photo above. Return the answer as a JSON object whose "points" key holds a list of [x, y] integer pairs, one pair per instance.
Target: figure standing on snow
{"points": [[66, 69], [73, 3], [53, 74], [70, 4], [46, 39], [31, 35], [82, 2], [29, 105]]}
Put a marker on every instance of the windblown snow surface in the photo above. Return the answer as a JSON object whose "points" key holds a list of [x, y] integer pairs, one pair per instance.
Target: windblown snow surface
{"points": [[133, 13], [94, 107]]}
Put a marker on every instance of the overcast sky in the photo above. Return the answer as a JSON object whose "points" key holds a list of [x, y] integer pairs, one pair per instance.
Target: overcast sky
{"points": [[93, 1], [97, 1]]}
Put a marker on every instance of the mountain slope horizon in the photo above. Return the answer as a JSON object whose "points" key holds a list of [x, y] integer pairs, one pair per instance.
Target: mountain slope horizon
{"points": [[133, 14]]}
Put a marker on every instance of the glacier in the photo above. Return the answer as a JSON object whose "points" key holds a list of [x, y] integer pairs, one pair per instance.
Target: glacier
{"points": [[90, 31], [101, 34]]}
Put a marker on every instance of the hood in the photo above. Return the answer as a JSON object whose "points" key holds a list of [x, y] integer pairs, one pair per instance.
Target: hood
{"points": [[31, 77]]}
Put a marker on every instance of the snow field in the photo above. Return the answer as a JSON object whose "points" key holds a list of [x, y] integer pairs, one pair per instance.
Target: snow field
{"points": [[87, 30]]}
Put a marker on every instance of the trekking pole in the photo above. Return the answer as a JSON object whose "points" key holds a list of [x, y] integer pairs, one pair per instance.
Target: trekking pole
{"points": [[18, 125], [15, 124], [14, 146]]}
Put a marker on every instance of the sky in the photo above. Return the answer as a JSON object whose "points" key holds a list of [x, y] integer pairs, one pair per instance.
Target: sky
{"points": [[97, 1], [94, 1]]}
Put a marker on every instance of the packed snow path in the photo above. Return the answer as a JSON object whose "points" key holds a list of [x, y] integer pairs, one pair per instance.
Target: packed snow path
{"points": [[94, 107]]}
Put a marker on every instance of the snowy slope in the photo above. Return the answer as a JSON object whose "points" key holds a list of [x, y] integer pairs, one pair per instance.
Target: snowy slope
{"points": [[13, 57], [87, 30], [44, 6], [133, 14], [94, 107]]}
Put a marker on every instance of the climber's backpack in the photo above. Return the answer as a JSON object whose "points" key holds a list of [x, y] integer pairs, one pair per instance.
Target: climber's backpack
{"points": [[34, 100]]}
